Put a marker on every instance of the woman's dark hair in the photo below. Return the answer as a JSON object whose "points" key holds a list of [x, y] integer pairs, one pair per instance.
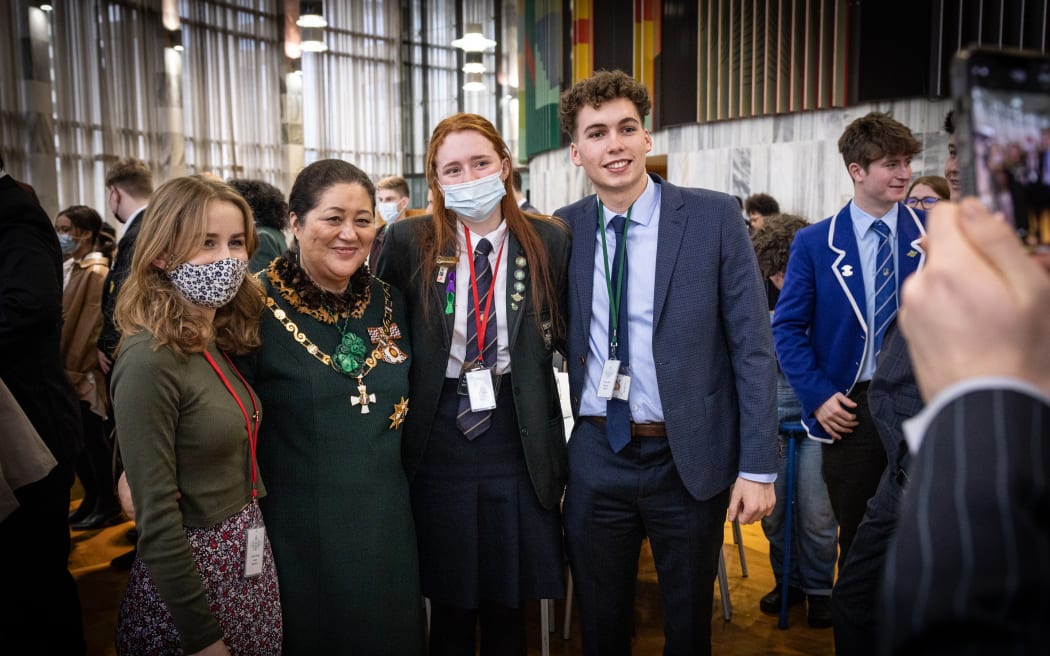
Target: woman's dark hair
{"points": [[267, 202], [84, 218], [316, 178], [107, 241]]}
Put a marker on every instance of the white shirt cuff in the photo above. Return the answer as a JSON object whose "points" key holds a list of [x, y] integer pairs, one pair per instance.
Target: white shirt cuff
{"points": [[915, 428]]}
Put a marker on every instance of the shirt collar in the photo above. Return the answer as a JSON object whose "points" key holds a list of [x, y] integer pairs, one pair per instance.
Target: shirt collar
{"points": [[495, 237], [862, 221], [643, 208]]}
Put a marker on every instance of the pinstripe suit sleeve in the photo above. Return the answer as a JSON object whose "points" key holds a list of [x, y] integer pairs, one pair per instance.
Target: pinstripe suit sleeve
{"points": [[969, 569]]}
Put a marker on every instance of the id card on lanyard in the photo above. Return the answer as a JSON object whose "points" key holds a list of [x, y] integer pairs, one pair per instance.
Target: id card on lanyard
{"points": [[615, 381], [477, 377], [255, 541]]}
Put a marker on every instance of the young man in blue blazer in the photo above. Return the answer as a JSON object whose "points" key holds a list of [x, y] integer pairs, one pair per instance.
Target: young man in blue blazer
{"points": [[841, 291], [678, 400]]}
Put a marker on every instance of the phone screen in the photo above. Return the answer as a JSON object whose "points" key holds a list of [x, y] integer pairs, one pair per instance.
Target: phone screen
{"points": [[1003, 128]]}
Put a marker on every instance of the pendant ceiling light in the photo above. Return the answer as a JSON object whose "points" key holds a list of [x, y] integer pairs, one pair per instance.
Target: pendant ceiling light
{"points": [[311, 24], [474, 40], [311, 14]]}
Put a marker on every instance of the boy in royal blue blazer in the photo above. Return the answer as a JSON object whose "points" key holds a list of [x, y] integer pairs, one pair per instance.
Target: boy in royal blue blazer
{"points": [[841, 290]]}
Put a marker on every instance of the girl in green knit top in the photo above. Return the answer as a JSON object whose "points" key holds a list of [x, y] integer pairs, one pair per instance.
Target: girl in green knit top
{"points": [[204, 580]]}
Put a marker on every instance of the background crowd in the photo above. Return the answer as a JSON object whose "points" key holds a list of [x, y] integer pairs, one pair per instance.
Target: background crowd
{"points": [[327, 408]]}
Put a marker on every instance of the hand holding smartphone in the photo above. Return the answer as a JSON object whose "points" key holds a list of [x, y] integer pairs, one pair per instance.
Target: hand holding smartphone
{"points": [[1002, 119]]}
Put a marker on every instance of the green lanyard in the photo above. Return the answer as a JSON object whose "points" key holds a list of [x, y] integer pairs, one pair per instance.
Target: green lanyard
{"points": [[614, 301]]}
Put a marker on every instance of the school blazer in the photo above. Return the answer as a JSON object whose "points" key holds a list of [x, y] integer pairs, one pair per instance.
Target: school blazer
{"points": [[819, 324], [712, 346], [540, 422]]}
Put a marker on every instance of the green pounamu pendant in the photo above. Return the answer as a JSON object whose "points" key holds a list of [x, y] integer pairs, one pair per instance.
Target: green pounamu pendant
{"points": [[349, 355]]}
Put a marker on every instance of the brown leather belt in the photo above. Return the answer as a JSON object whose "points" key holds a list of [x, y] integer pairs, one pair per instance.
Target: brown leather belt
{"points": [[655, 429]]}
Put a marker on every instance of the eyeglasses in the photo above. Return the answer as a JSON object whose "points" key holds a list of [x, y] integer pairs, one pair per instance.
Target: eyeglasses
{"points": [[928, 201]]}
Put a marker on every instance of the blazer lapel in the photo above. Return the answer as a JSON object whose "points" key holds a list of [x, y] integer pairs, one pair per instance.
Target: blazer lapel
{"points": [[584, 230], [443, 287], [671, 232], [910, 232], [847, 266]]}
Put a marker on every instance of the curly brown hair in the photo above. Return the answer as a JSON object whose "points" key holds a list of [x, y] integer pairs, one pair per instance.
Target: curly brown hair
{"points": [[772, 242], [600, 87], [874, 136], [173, 229]]}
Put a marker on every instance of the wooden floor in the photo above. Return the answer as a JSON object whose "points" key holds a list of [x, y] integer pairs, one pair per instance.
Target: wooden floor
{"points": [[749, 631]]}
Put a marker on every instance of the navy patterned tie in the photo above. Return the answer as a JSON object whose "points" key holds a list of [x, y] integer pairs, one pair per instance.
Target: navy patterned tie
{"points": [[885, 283], [473, 424], [618, 412]]}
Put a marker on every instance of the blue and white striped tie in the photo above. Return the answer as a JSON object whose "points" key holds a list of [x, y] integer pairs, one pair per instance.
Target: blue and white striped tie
{"points": [[885, 283]]}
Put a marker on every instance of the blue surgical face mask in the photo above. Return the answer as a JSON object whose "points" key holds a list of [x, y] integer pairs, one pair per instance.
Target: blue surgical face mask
{"points": [[388, 211], [474, 201], [67, 243]]}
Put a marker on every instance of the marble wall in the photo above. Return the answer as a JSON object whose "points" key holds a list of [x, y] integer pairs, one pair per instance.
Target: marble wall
{"points": [[793, 157]]}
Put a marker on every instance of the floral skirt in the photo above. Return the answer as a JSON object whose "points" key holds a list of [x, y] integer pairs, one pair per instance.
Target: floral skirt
{"points": [[248, 609]]}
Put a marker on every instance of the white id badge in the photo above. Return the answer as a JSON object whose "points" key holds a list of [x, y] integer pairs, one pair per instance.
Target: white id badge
{"points": [[622, 388], [479, 387], [607, 382], [253, 554]]}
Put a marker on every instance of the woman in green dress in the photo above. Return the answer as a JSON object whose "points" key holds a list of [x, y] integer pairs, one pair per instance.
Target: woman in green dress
{"points": [[333, 375]]}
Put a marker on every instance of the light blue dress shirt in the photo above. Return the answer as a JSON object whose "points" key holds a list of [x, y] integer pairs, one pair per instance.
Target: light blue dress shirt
{"points": [[868, 247], [643, 235]]}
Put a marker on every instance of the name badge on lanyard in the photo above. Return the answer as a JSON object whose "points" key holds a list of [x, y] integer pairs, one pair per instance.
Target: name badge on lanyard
{"points": [[255, 540], [615, 382], [253, 553]]}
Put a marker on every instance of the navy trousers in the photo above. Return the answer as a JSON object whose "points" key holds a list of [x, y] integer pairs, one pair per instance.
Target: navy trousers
{"points": [[614, 501]]}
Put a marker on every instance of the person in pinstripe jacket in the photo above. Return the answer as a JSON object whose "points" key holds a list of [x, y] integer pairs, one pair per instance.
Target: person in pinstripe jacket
{"points": [[968, 570]]}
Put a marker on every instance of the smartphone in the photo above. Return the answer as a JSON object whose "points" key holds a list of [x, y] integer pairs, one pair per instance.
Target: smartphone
{"points": [[1002, 128]]}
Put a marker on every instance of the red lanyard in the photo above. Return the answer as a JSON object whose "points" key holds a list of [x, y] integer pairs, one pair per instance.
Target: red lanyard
{"points": [[253, 434], [480, 318]]}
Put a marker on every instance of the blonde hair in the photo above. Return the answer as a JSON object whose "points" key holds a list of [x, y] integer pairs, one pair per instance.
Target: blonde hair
{"points": [[173, 229]]}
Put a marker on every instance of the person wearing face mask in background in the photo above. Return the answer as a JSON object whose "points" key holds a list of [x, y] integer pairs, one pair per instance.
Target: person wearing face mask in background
{"points": [[129, 185], [484, 446], [391, 203], [204, 580], [78, 229]]}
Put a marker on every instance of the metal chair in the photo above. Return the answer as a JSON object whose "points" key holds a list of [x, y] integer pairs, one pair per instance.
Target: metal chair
{"points": [[738, 540]]}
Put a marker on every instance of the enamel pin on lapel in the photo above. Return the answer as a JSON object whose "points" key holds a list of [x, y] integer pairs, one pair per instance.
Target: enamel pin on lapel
{"points": [[847, 270]]}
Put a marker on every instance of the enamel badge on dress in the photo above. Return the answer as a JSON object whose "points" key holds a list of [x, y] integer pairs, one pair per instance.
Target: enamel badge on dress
{"points": [[392, 354]]}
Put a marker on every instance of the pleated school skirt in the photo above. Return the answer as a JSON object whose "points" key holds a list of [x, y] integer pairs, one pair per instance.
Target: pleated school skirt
{"points": [[482, 533]]}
